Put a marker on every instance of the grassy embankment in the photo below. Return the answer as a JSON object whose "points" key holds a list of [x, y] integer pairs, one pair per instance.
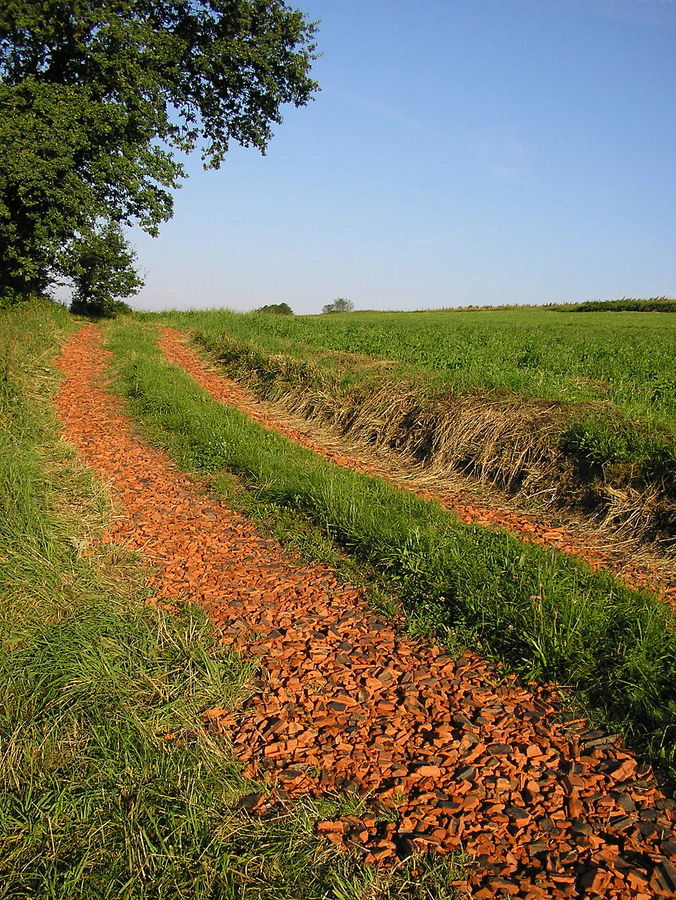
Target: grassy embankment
{"points": [[94, 801], [570, 409], [543, 614]]}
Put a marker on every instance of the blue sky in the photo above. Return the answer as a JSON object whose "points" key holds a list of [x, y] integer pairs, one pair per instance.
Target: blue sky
{"points": [[460, 151]]}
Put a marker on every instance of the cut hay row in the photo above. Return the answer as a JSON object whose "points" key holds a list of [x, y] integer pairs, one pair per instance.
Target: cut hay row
{"points": [[526, 447]]}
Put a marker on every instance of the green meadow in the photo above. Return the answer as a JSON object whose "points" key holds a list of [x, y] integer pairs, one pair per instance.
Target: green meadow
{"points": [[620, 360], [575, 407], [540, 613]]}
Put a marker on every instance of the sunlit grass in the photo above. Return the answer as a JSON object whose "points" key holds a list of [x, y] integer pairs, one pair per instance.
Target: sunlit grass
{"points": [[541, 612], [623, 359]]}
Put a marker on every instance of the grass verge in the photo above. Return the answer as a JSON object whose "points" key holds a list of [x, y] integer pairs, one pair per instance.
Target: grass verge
{"points": [[95, 801], [542, 613]]}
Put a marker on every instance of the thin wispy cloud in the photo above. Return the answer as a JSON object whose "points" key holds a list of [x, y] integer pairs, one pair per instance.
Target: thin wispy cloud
{"points": [[506, 158], [382, 110]]}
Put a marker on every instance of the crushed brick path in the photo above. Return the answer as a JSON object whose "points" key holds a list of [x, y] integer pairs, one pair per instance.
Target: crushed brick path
{"points": [[471, 762], [528, 527]]}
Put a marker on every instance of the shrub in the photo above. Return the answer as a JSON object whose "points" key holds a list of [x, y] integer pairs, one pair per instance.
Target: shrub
{"points": [[339, 305], [103, 266], [276, 309]]}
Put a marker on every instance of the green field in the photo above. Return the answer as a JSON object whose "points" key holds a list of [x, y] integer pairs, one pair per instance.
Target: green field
{"points": [[627, 360], [92, 798], [577, 409]]}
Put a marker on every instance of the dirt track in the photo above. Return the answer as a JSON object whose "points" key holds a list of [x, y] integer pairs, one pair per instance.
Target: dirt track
{"points": [[347, 700], [469, 509]]}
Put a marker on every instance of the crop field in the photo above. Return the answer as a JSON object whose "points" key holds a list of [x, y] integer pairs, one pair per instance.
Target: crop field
{"points": [[624, 359], [574, 409]]}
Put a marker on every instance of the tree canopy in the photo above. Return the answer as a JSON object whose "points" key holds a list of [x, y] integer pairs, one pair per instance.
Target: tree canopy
{"points": [[340, 304], [276, 309], [98, 96]]}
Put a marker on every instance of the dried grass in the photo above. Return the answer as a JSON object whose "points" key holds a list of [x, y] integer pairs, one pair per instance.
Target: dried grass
{"points": [[503, 440]]}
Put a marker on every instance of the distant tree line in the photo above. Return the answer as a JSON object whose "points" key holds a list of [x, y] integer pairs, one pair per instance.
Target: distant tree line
{"points": [[654, 304], [283, 309]]}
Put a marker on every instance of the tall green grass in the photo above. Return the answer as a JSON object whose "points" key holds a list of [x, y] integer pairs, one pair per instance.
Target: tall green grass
{"points": [[544, 614], [110, 787]]}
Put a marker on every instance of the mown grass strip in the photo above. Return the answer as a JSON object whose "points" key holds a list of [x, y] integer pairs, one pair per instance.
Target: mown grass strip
{"points": [[544, 614], [95, 800]]}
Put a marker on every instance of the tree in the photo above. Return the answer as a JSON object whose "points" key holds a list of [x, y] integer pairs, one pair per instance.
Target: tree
{"points": [[98, 96], [338, 305], [103, 272], [278, 309]]}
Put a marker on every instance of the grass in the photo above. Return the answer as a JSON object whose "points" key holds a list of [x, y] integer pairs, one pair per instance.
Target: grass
{"points": [[95, 801], [577, 411], [620, 361], [543, 614]]}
